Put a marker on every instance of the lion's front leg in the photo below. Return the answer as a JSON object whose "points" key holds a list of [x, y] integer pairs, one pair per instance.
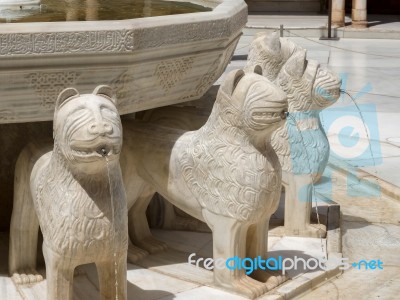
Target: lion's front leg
{"points": [[257, 246], [138, 196], [298, 205], [23, 249], [59, 275], [139, 230], [24, 226], [229, 241], [135, 254]]}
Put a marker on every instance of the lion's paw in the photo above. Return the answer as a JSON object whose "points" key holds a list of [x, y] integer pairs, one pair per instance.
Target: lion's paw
{"points": [[135, 254], [271, 278], [28, 276], [248, 287], [152, 245]]}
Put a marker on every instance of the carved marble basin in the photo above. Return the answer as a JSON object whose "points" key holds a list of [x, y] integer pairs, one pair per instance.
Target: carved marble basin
{"points": [[17, 5], [151, 62]]}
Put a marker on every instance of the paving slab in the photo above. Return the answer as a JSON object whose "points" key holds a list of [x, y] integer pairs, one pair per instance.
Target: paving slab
{"points": [[370, 229], [315, 25]]}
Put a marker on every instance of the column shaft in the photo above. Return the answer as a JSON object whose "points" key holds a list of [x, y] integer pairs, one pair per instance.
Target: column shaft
{"points": [[359, 14], [338, 12]]}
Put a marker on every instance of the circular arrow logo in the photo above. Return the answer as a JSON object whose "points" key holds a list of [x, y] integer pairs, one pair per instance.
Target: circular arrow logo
{"points": [[349, 137]]}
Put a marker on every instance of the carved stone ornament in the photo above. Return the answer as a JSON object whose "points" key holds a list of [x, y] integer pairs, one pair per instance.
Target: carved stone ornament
{"points": [[301, 144], [66, 42], [224, 174], [75, 193], [226, 20]]}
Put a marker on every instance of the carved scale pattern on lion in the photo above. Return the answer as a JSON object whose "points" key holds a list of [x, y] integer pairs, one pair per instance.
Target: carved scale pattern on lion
{"points": [[301, 145], [75, 192], [210, 166]]}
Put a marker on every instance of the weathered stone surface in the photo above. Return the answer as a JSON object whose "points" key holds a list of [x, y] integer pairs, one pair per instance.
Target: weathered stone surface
{"points": [[224, 174], [75, 193], [301, 144], [150, 62]]}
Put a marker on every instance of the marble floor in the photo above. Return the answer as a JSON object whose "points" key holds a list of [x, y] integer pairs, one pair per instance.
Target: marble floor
{"points": [[166, 275], [370, 231], [315, 25], [274, 20], [370, 72]]}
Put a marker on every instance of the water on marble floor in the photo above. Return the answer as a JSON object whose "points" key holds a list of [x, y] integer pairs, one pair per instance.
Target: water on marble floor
{"points": [[93, 10]]}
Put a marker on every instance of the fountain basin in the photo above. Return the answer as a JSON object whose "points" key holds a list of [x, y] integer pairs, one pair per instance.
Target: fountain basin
{"points": [[19, 4], [151, 62]]}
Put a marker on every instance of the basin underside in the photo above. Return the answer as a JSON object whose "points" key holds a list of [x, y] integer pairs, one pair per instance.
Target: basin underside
{"points": [[150, 62]]}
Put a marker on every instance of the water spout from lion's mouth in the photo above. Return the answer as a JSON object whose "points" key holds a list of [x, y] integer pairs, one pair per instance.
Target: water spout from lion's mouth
{"points": [[102, 151], [284, 114]]}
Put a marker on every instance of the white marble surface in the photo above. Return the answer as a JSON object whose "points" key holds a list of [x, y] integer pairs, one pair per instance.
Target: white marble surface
{"points": [[156, 60], [380, 70], [167, 276], [274, 20], [300, 247], [311, 21], [370, 226], [370, 230], [203, 292]]}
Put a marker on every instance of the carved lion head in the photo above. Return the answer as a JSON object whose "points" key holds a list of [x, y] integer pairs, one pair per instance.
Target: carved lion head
{"points": [[270, 53], [308, 85], [252, 102], [87, 128]]}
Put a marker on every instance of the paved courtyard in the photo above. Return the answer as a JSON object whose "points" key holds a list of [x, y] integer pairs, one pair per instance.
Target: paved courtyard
{"points": [[370, 70]]}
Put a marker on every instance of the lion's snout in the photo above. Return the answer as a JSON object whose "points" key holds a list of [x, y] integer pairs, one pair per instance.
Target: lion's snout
{"points": [[100, 128], [99, 137]]}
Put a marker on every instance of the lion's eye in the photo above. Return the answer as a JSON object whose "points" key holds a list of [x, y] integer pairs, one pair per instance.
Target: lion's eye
{"points": [[79, 113], [108, 112], [323, 72]]}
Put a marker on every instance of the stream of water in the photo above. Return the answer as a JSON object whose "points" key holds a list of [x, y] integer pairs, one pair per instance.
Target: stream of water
{"points": [[365, 128], [112, 225]]}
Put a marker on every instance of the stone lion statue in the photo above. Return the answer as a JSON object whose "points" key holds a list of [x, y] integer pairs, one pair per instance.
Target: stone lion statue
{"points": [[75, 193], [301, 144], [224, 174]]}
